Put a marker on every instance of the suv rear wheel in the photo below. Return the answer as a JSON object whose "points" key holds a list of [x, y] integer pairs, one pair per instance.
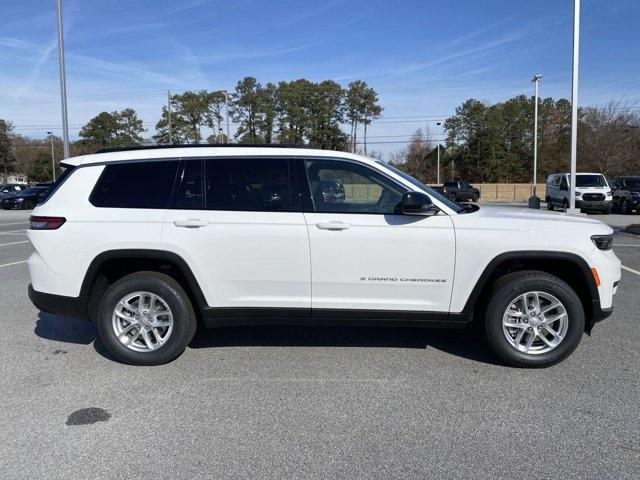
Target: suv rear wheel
{"points": [[533, 319], [146, 318]]}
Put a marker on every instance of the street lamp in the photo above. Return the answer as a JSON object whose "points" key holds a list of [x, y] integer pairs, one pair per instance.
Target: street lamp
{"points": [[53, 160], [534, 201]]}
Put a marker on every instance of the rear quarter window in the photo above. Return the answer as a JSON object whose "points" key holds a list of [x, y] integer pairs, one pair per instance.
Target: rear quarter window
{"points": [[146, 184]]}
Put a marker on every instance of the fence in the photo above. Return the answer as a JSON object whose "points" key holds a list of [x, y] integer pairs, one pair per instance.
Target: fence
{"points": [[509, 192], [496, 192]]}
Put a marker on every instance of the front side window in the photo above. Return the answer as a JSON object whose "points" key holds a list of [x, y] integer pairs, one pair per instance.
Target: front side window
{"points": [[248, 184], [344, 187], [135, 185]]}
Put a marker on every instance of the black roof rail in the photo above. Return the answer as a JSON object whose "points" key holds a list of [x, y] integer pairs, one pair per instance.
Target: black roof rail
{"points": [[201, 145]]}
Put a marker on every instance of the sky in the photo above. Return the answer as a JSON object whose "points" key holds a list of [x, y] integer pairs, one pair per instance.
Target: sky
{"points": [[422, 57]]}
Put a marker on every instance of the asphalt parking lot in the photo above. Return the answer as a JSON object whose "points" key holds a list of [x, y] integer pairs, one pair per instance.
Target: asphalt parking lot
{"points": [[313, 402]]}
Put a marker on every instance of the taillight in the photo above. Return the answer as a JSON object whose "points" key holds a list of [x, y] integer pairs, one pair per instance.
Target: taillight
{"points": [[46, 223]]}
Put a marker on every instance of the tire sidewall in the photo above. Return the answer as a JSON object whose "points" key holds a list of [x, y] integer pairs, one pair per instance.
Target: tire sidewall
{"points": [[505, 295], [176, 300]]}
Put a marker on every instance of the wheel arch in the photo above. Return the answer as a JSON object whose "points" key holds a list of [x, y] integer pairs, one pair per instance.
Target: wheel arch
{"points": [[111, 265], [569, 267]]}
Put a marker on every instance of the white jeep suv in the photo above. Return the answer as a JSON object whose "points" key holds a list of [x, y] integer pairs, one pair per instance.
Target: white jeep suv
{"points": [[149, 242]]}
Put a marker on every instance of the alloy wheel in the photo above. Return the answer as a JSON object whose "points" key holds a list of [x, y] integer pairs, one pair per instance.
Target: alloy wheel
{"points": [[142, 321], [535, 322]]}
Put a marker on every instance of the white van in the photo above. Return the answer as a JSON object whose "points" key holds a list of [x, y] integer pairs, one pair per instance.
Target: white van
{"points": [[592, 192]]}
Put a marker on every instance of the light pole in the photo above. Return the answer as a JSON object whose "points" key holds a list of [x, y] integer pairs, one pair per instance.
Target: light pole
{"points": [[63, 82], [574, 105], [438, 167], [534, 201], [53, 159]]}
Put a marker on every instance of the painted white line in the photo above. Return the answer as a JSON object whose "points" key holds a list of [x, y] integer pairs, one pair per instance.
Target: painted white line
{"points": [[13, 243], [24, 261], [625, 245], [15, 223], [624, 268], [12, 231]]}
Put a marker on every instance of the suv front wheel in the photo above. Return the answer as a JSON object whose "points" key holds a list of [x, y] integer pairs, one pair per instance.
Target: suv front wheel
{"points": [[146, 318], [533, 319]]}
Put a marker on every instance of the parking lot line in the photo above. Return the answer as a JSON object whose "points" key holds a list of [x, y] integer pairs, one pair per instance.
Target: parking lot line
{"points": [[13, 243], [12, 231], [14, 223], [24, 261], [630, 270], [625, 245]]}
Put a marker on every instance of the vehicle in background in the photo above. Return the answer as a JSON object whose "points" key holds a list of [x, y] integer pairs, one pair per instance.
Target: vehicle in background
{"points": [[459, 191], [10, 190], [626, 194], [592, 192], [26, 199]]}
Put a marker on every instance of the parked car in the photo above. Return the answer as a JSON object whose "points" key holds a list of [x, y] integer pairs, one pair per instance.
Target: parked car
{"points": [[459, 191], [237, 235], [592, 192], [26, 199], [10, 190], [626, 194]]}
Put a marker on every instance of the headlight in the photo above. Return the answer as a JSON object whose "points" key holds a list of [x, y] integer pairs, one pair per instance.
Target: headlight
{"points": [[19, 199], [578, 194], [609, 193], [603, 242]]}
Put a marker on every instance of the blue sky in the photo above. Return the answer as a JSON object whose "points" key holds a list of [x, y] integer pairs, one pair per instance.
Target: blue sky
{"points": [[423, 57]]}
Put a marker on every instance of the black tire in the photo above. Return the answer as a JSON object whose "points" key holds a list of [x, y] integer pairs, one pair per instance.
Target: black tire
{"points": [[607, 210], [509, 287], [565, 204], [184, 317], [549, 204], [476, 197], [624, 207]]}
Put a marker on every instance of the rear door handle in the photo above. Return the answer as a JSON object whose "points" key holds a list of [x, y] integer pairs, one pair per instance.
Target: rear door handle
{"points": [[190, 223], [333, 225]]}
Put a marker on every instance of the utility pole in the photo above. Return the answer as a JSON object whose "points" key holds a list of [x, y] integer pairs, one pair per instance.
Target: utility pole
{"points": [[53, 159], [169, 115], [63, 82], [574, 105], [226, 101], [365, 131]]}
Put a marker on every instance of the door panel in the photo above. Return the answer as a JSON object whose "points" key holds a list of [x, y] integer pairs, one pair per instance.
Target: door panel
{"points": [[237, 228], [382, 262], [364, 254]]}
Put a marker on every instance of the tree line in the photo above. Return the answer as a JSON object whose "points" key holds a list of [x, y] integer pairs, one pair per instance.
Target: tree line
{"points": [[494, 142], [482, 142]]}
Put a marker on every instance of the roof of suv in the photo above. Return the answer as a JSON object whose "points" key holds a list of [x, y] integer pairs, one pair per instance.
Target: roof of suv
{"points": [[181, 151]]}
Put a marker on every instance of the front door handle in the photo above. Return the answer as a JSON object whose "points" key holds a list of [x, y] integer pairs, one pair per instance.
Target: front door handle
{"points": [[333, 225], [190, 223]]}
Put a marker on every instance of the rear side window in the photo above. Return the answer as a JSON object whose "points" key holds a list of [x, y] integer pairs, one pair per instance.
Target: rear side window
{"points": [[135, 185], [248, 184]]}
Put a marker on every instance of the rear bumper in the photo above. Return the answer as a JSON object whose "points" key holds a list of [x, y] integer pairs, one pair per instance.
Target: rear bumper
{"points": [[73, 307]]}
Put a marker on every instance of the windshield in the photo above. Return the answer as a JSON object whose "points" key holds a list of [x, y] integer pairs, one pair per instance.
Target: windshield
{"points": [[590, 181], [456, 207], [632, 182], [27, 192]]}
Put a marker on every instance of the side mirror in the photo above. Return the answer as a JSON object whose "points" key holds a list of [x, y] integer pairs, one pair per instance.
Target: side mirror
{"points": [[416, 203]]}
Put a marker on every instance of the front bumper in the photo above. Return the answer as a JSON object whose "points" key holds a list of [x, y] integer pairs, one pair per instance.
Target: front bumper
{"points": [[74, 307], [593, 204]]}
